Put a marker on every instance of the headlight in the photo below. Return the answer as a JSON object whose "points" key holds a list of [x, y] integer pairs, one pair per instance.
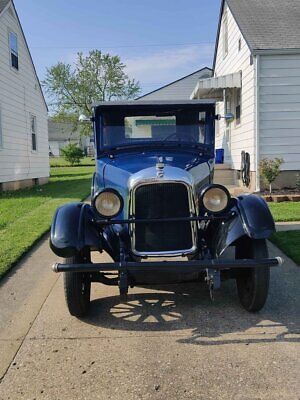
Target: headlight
{"points": [[215, 198], [108, 203]]}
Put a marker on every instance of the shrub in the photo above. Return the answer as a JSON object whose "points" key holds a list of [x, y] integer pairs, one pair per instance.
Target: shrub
{"points": [[270, 169], [298, 181], [72, 154]]}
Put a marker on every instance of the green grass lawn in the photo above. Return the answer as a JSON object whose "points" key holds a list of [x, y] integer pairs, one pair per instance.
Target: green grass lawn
{"points": [[61, 162], [25, 215], [286, 211], [289, 243]]}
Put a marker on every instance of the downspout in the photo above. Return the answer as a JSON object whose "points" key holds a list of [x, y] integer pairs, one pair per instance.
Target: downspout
{"points": [[257, 122]]}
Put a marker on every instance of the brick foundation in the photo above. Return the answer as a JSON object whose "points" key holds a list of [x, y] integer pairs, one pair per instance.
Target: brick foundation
{"points": [[25, 183], [286, 180]]}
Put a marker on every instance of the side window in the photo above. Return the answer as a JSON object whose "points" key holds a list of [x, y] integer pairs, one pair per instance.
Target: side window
{"points": [[13, 49], [238, 106], [239, 44], [225, 34], [1, 132], [33, 132]]}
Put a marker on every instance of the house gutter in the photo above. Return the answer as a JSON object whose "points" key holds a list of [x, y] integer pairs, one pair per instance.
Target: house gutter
{"points": [[257, 123], [270, 52]]}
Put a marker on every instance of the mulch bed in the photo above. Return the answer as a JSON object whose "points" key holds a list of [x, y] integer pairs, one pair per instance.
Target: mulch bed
{"points": [[282, 195]]}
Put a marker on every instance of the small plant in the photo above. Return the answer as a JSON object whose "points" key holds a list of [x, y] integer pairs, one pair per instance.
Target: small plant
{"points": [[72, 154], [270, 169], [298, 181]]}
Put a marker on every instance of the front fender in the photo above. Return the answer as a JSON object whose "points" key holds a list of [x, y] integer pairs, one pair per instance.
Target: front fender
{"points": [[256, 217], [252, 218], [72, 230]]}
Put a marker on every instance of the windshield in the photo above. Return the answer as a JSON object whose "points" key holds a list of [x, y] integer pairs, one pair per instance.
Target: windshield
{"points": [[177, 128]]}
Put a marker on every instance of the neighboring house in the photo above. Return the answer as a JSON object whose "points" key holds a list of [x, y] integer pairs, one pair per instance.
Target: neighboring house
{"points": [[257, 78], [24, 146], [61, 134], [180, 89]]}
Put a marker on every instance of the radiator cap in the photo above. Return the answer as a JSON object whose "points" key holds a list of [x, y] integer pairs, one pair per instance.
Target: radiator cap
{"points": [[160, 165]]}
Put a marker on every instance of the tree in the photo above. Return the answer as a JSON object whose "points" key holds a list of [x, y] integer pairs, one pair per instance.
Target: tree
{"points": [[95, 77], [72, 154], [270, 169]]}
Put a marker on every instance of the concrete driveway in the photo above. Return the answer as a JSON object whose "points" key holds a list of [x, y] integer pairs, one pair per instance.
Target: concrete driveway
{"points": [[164, 343]]}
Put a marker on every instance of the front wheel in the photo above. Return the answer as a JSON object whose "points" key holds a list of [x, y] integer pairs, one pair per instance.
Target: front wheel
{"points": [[253, 283], [77, 287]]}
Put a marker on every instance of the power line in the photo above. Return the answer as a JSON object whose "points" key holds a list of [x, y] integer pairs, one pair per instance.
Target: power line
{"points": [[124, 46]]}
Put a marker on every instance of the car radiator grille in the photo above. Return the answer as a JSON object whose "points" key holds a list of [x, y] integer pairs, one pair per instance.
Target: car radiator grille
{"points": [[162, 200]]}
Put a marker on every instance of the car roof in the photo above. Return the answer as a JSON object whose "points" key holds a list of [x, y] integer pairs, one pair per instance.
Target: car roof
{"points": [[144, 103]]}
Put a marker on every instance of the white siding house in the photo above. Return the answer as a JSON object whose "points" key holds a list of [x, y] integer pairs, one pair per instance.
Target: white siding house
{"points": [[180, 89], [236, 136], [279, 110], [257, 78], [24, 157], [62, 133]]}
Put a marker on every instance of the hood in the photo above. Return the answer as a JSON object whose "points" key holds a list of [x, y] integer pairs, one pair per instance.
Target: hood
{"points": [[124, 171], [135, 162], [116, 171]]}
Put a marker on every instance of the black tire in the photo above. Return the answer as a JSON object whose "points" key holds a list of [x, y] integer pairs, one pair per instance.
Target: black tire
{"points": [[77, 287], [253, 283]]}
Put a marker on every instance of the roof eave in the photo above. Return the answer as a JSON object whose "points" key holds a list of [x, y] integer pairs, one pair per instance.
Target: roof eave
{"points": [[218, 34], [219, 30], [31, 59]]}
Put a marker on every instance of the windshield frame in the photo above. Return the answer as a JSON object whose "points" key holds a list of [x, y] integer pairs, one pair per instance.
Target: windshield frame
{"points": [[138, 110]]}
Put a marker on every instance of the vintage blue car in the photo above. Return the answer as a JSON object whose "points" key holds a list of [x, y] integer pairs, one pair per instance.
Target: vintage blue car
{"points": [[153, 198]]}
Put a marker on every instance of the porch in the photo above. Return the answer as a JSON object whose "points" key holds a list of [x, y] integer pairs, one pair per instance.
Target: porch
{"points": [[225, 175]]}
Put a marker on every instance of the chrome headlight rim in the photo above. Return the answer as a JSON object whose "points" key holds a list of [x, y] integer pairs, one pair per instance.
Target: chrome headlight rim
{"points": [[207, 189], [108, 190]]}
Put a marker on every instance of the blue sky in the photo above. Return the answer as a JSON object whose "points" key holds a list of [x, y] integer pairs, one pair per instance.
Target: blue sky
{"points": [[158, 40]]}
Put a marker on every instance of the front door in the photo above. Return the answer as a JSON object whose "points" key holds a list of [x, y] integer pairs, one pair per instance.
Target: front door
{"points": [[227, 147], [227, 135]]}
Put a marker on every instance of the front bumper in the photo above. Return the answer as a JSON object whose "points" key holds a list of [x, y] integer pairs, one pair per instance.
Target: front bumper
{"points": [[169, 266]]}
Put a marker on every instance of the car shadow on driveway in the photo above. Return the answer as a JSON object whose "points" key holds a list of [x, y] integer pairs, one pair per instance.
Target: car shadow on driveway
{"points": [[187, 311]]}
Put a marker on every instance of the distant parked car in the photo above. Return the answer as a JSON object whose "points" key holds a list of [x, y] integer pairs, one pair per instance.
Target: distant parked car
{"points": [[153, 196]]}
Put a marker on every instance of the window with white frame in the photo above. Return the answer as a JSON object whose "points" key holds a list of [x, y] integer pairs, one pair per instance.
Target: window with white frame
{"points": [[33, 132], [13, 49], [1, 132], [225, 34]]}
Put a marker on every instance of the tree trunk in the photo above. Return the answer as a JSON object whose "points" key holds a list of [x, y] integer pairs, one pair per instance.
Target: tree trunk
{"points": [[270, 188]]}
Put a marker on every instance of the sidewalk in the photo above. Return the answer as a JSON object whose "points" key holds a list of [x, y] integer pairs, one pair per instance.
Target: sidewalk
{"points": [[288, 226], [23, 292]]}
